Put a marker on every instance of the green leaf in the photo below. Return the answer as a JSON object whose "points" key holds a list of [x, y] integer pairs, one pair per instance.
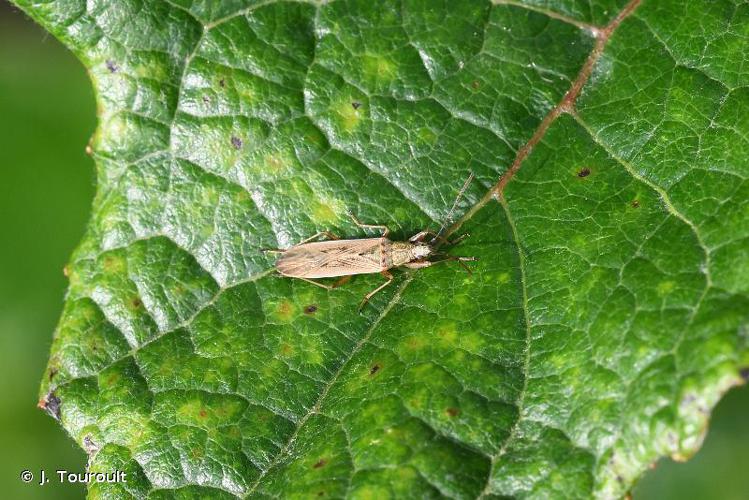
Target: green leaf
{"points": [[607, 313]]}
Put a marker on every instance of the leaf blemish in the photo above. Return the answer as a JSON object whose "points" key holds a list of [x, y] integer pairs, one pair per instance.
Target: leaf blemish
{"points": [[636, 204], [584, 172], [222, 83], [452, 412], [320, 463], [310, 309], [90, 445], [375, 368], [236, 142], [112, 66], [51, 404], [356, 104]]}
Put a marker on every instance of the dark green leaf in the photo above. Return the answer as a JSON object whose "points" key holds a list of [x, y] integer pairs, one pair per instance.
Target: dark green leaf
{"points": [[607, 313]]}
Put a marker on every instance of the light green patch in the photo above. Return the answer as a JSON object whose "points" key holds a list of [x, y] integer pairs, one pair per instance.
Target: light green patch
{"points": [[347, 114], [414, 343], [371, 492], [286, 350], [427, 136], [116, 126], [151, 68], [471, 340], [246, 91], [447, 333], [325, 211], [114, 264], [378, 69], [665, 288], [283, 311], [276, 162]]}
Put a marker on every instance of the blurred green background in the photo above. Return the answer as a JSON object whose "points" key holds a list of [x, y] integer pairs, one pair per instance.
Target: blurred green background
{"points": [[47, 114]]}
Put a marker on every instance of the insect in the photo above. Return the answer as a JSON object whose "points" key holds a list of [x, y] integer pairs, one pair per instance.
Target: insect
{"points": [[310, 260]]}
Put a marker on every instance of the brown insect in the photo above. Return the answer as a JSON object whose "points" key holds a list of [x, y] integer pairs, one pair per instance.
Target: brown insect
{"points": [[335, 257]]}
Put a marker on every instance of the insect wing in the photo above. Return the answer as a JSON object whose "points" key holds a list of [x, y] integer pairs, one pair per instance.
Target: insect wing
{"points": [[327, 259]]}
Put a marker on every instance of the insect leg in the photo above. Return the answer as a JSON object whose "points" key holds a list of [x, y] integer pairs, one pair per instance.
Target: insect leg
{"points": [[458, 239], [426, 263], [338, 283], [420, 236], [385, 230], [330, 236], [460, 261], [418, 264], [321, 285], [371, 294]]}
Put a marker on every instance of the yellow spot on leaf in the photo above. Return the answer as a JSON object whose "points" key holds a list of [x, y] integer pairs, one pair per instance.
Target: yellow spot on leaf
{"points": [[286, 349], [348, 115], [276, 162], [114, 264], [152, 70], [415, 343], [284, 311], [427, 136], [665, 287], [447, 333], [378, 68], [326, 211]]}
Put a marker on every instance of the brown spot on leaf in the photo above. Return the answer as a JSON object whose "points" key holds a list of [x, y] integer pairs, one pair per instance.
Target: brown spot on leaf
{"points": [[202, 413], [51, 404], [236, 142], [452, 412], [475, 84], [52, 372], [374, 369], [136, 302], [310, 309], [636, 204], [356, 105], [206, 99], [584, 172], [320, 463], [112, 66], [222, 83]]}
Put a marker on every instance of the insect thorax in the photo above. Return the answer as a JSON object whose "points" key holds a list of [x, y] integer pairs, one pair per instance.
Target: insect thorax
{"points": [[404, 252]]}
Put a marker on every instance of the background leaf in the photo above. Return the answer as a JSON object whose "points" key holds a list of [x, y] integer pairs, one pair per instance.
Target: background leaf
{"points": [[607, 313]]}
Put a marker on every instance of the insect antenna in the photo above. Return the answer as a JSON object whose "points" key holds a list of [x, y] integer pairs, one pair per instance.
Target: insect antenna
{"points": [[448, 219]]}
